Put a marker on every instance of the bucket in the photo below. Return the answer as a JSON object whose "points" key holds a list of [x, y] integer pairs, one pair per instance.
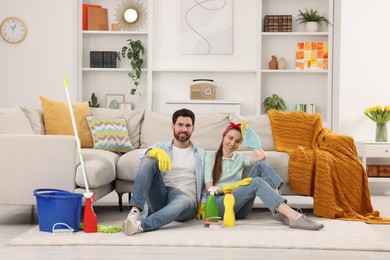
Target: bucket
{"points": [[58, 206]]}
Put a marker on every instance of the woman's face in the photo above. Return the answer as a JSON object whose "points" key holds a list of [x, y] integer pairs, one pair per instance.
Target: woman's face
{"points": [[231, 141]]}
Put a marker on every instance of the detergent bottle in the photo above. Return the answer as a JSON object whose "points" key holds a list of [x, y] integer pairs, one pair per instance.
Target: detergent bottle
{"points": [[90, 219], [211, 207], [229, 219]]}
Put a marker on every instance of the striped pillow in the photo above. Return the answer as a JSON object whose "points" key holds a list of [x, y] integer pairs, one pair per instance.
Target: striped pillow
{"points": [[109, 134]]}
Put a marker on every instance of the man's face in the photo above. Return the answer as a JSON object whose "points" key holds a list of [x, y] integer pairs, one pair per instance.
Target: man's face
{"points": [[182, 129]]}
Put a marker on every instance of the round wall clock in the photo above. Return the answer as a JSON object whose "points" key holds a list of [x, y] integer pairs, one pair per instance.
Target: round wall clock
{"points": [[13, 30]]}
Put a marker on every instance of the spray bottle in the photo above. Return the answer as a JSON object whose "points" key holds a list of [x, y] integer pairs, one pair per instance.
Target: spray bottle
{"points": [[211, 207], [90, 219], [229, 219]]}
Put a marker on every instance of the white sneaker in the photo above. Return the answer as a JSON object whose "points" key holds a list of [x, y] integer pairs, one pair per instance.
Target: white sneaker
{"points": [[134, 215], [131, 227]]}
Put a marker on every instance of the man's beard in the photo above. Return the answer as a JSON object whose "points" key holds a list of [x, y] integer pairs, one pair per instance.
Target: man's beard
{"points": [[182, 136]]}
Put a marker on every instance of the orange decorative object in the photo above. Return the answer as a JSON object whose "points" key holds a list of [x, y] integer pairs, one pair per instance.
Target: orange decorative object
{"points": [[311, 56]]}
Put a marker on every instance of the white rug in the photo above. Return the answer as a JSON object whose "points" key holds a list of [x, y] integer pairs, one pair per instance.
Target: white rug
{"points": [[257, 231]]}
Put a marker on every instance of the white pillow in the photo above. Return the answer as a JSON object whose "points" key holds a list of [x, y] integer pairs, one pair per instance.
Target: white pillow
{"points": [[14, 121]]}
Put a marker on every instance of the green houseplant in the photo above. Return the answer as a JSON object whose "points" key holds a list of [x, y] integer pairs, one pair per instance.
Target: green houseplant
{"points": [[134, 52], [274, 102], [93, 102], [312, 19]]}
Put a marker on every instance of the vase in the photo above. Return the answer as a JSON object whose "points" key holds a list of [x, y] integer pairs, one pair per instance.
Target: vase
{"points": [[282, 65], [381, 132], [273, 63]]}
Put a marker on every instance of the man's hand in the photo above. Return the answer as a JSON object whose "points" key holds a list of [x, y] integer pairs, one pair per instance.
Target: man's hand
{"points": [[243, 182], [164, 162], [201, 211]]}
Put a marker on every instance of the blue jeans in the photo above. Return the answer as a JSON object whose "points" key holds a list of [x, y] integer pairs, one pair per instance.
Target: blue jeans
{"points": [[166, 204], [265, 181]]}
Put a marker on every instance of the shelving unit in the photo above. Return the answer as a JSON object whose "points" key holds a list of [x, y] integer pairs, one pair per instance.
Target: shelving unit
{"points": [[242, 76], [102, 81], [296, 86]]}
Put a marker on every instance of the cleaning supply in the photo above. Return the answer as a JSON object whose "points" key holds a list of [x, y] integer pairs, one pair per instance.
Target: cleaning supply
{"points": [[90, 219], [231, 187], [229, 218], [250, 138], [211, 207]]}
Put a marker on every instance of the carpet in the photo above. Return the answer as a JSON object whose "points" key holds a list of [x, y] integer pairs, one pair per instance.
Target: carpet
{"points": [[257, 231]]}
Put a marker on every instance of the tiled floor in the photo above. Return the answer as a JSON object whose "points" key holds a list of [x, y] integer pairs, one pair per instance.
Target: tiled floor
{"points": [[13, 222]]}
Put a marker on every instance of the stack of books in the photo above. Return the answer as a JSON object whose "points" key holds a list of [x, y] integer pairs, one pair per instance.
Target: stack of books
{"points": [[102, 59], [278, 23]]}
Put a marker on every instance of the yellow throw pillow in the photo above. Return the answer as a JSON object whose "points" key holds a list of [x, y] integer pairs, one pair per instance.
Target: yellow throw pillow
{"points": [[56, 117]]}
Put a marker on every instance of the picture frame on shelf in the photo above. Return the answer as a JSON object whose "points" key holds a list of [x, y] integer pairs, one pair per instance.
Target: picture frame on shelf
{"points": [[126, 106], [114, 101]]}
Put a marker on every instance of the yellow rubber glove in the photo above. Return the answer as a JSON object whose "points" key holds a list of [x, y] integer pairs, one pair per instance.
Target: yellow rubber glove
{"points": [[164, 162], [231, 187], [201, 211]]}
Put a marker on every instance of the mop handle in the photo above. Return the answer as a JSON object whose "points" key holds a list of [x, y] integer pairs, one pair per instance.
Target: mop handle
{"points": [[87, 194]]}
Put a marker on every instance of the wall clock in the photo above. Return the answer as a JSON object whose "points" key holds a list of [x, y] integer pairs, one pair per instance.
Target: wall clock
{"points": [[13, 30]]}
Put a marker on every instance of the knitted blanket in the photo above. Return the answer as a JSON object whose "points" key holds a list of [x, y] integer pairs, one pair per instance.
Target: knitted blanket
{"points": [[324, 165]]}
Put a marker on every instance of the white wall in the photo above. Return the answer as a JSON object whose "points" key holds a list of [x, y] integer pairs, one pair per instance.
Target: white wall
{"points": [[364, 64], [37, 65]]}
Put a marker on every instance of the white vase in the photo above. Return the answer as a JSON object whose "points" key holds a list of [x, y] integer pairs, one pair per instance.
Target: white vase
{"points": [[311, 27]]}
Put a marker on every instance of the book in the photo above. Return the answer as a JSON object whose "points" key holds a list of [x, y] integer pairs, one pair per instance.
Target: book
{"points": [[97, 19], [85, 14]]}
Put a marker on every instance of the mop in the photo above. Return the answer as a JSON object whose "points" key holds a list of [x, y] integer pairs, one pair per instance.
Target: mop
{"points": [[90, 220]]}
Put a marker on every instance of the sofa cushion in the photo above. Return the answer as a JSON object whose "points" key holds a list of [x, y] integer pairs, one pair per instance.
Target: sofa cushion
{"points": [[14, 121], [207, 134], [99, 167], [57, 120], [34, 115], [133, 121], [261, 125], [109, 134], [128, 164]]}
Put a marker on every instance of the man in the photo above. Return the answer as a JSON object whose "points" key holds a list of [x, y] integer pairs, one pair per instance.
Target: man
{"points": [[170, 178]]}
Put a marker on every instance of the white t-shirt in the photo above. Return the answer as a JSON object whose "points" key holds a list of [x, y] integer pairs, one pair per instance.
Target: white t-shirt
{"points": [[182, 175]]}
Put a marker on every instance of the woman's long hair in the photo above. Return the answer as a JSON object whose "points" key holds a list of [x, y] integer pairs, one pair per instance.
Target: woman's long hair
{"points": [[217, 169]]}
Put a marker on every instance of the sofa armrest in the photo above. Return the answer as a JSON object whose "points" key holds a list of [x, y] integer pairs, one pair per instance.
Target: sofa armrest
{"points": [[28, 162]]}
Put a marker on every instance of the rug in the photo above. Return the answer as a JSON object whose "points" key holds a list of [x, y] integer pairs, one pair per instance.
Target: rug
{"points": [[257, 231]]}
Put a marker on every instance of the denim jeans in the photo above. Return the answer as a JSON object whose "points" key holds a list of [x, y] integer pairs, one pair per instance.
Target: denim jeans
{"points": [[166, 204], [265, 181]]}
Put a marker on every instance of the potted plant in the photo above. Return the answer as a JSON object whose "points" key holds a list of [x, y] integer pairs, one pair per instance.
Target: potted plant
{"points": [[134, 52], [274, 102], [312, 19], [94, 101]]}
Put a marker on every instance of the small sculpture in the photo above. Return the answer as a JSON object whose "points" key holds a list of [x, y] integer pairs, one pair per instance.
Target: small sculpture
{"points": [[282, 65], [273, 63]]}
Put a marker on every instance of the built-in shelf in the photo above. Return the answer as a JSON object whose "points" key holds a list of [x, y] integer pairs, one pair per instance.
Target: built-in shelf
{"points": [[115, 32], [295, 33], [294, 71], [205, 70], [111, 69]]}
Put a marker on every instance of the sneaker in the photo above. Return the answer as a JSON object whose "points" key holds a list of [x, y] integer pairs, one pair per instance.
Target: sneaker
{"points": [[303, 222], [281, 218], [134, 215], [131, 227]]}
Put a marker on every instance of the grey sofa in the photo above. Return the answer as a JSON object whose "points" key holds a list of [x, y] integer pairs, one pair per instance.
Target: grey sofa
{"points": [[30, 159]]}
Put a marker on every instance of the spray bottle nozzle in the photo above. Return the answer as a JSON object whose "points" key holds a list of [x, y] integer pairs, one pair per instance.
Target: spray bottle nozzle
{"points": [[213, 190]]}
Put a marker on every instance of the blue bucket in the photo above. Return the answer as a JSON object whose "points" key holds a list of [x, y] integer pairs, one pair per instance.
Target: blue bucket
{"points": [[58, 206]]}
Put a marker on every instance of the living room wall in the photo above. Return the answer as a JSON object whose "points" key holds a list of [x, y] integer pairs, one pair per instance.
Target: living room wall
{"points": [[36, 66]]}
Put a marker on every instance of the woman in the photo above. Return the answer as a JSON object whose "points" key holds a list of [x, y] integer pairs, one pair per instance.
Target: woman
{"points": [[223, 170]]}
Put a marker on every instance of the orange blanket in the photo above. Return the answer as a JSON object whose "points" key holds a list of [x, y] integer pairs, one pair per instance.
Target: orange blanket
{"points": [[324, 165]]}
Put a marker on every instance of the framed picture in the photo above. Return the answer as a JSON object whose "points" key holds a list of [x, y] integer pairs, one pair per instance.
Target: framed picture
{"points": [[114, 100]]}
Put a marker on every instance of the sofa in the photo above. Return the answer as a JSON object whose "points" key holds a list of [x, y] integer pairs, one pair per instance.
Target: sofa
{"points": [[30, 158]]}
